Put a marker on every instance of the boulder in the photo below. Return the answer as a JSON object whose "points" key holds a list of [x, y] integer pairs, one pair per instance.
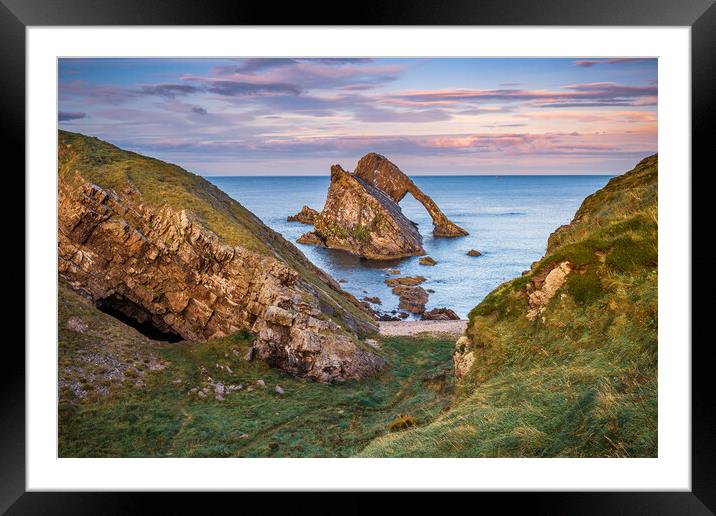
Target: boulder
{"points": [[412, 299], [427, 260], [440, 314], [408, 281], [474, 252]]}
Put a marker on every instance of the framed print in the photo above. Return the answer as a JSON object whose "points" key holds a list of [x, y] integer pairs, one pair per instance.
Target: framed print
{"points": [[428, 251]]}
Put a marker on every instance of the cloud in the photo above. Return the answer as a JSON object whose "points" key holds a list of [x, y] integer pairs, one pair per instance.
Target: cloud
{"points": [[168, 90], [66, 116], [239, 88], [588, 63], [198, 110], [588, 94]]}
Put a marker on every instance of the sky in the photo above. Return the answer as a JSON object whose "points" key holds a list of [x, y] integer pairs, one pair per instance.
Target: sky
{"points": [[430, 116]]}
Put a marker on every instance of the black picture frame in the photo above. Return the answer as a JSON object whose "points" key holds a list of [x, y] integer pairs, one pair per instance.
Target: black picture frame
{"points": [[700, 15]]}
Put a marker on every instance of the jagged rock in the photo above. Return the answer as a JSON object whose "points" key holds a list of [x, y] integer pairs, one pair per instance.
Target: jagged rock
{"points": [[387, 317], [427, 260], [260, 383], [279, 390], [305, 216], [161, 265], [408, 281], [394, 271], [474, 252], [403, 315], [412, 299], [544, 286], [363, 220], [310, 238], [463, 357], [440, 314], [378, 171]]}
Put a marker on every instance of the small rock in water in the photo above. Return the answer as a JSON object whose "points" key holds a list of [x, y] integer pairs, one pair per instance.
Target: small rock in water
{"points": [[427, 260], [279, 390], [474, 252], [374, 300], [403, 315], [260, 383], [393, 271], [342, 280]]}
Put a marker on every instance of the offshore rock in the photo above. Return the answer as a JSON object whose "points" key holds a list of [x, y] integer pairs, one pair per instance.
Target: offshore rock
{"points": [[365, 221], [305, 216], [378, 171]]}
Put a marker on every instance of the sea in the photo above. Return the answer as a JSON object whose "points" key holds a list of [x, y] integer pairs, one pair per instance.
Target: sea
{"points": [[509, 219]]}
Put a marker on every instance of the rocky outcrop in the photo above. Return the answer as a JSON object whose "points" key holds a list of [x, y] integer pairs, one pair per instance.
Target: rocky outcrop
{"points": [[363, 220], [162, 265], [463, 357], [440, 314], [544, 286], [381, 173], [412, 299], [305, 216], [407, 281]]}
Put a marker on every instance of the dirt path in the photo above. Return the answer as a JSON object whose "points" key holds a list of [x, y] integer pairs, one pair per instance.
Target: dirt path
{"points": [[404, 328]]}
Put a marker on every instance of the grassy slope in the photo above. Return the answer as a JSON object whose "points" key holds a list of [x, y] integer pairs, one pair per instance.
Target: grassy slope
{"points": [[162, 183], [583, 382], [162, 418]]}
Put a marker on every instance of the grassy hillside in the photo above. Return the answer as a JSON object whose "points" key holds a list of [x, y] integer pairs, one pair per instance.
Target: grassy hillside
{"points": [[580, 380], [82, 158], [127, 407]]}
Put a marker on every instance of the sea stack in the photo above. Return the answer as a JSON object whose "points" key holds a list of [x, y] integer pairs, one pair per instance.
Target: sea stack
{"points": [[362, 215], [379, 171], [363, 220]]}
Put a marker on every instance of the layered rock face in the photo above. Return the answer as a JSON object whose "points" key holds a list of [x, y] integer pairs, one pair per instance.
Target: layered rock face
{"points": [[378, 171], [364, 220], [161, 264]]}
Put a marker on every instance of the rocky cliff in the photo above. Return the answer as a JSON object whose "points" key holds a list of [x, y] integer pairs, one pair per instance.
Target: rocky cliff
{"points": [[361, 219], [165, 247], [378, 171], [562, 361]]}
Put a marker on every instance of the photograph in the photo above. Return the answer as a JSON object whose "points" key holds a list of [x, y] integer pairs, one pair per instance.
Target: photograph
{"points": [[377, 257]]}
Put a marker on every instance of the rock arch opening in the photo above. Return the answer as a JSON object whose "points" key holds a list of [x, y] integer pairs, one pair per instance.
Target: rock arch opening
{"points": [[132, 314]]}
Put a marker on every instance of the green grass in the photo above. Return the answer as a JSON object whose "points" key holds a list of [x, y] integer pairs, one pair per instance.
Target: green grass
{"points": [[309, 420], [580, 380], [83, 158]]}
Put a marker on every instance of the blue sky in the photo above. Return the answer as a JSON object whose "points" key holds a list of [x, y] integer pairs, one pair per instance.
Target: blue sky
{"points": [[293, 116]]}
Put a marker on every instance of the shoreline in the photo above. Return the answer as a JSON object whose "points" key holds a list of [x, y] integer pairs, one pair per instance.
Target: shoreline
{"points": [[409, 328]]}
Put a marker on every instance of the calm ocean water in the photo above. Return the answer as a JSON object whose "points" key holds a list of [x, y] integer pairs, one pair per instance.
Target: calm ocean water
{"points": [[509, 219]]}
